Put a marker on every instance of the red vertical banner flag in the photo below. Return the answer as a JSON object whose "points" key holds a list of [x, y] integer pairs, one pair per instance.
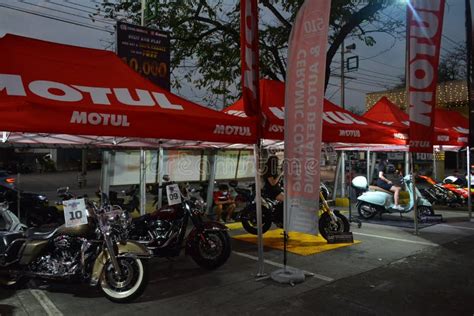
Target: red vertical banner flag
{"points": [[249, 56], [424, 27], [304, 100]]}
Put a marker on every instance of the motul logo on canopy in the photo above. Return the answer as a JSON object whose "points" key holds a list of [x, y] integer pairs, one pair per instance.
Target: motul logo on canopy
{"points": [[56, 91], [232, 130]]}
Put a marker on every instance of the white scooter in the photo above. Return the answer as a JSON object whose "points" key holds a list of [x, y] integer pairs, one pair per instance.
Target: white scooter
{"points": [[377, 200]]}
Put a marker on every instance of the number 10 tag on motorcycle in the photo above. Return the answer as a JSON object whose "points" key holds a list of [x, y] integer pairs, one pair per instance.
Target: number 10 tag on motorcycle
{"points": [[173, 194], [75, 212]]}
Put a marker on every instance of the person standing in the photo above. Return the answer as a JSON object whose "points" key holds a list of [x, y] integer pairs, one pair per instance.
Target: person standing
{"points": [[272, 177]]}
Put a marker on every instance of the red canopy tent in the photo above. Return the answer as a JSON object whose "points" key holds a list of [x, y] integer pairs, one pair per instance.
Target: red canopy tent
{"points": [[339, 125], [450, 126], [60, 89]]}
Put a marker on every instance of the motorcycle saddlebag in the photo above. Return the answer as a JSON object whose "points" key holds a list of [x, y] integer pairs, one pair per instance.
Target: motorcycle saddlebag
{"points": [[14, 240]]}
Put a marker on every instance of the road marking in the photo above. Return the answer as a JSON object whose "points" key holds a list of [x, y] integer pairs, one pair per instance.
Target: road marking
{"points": [[46, 303], [279, 265], [455, 226], [398, 239]]}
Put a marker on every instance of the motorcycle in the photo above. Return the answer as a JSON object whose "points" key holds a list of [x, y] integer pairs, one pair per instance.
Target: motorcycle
{"points": [[89, 253], [457, 186], [330, 221], [375, 200], [438, 193], [163, 232]]}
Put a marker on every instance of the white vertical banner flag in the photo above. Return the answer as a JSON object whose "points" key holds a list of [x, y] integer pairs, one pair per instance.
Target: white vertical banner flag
{"points": [[304, 97]]}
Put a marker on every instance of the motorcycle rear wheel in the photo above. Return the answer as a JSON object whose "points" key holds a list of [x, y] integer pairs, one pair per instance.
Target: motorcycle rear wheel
{"points": [[326, 227], [128, 286], [249, 221], [424, 211], [212, 251], [366, 210]]}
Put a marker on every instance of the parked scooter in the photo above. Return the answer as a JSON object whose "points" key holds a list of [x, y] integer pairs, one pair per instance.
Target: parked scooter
{"points": [[375, 200], [330, 221], [163, 232]]}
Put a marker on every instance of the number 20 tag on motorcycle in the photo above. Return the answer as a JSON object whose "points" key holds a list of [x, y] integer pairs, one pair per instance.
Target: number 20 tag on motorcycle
{"points": [[173, 193], [75, 212]]}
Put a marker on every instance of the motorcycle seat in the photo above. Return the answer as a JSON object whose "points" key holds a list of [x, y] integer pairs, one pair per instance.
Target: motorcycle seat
{"points": [[40, 234], [376, 188]]}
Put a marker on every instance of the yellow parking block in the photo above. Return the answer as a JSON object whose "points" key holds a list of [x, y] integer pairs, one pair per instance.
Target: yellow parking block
{"points": [[298, 243], [342, 202], [234, 226]]}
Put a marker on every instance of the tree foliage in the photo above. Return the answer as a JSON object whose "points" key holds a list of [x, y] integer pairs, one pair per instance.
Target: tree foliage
{"points": [[205, 36]]}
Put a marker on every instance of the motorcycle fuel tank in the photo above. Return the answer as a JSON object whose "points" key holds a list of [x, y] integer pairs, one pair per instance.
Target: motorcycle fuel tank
{"points": [[169, 213]]}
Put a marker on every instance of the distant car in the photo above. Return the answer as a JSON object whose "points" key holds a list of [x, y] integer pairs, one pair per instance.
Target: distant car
{"points": [[7, 179]]}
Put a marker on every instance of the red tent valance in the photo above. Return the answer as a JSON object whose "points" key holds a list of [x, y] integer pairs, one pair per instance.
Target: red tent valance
{"points": [[339, 125], [53, 88]]}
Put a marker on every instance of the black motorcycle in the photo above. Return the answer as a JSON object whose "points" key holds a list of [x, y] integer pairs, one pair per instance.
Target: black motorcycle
{"points": [[330, 221], [163, 232], [89, 253]]}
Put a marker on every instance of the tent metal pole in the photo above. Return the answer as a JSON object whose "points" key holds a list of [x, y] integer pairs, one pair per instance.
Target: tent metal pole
{"points": [[258, 202], [469, 198], [159, 173], [18, 196], [336, 176], [343, 176], [368, 163], [407, 163], [142, 181], [372, 167], [105, 173], [415, 198], [212, 179]]}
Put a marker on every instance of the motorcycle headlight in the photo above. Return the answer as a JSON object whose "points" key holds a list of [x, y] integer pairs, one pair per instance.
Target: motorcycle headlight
{"points": [[42, 198]]}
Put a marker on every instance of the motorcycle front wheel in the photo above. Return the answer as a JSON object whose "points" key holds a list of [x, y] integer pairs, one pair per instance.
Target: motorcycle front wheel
{"points": [[212, 249], [249, 221], [129, 284], [326, 226]]}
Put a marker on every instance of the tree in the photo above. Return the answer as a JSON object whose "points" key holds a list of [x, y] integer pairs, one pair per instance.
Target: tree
{"points": [[206, 40], [452, 66]]}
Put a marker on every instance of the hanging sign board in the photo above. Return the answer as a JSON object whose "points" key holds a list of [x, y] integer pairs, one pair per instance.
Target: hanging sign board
{"points": [[145, 50], [75, 212], [174, 194]]}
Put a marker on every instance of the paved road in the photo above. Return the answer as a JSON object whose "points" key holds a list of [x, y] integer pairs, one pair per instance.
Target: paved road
{"points": [[390, 272]]}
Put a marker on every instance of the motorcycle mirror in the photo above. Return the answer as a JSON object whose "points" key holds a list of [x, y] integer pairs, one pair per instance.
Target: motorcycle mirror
{"points": [[166, 178]]}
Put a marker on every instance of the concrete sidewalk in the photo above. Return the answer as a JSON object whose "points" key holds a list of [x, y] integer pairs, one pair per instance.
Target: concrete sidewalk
{"points": [[390, 272]]}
